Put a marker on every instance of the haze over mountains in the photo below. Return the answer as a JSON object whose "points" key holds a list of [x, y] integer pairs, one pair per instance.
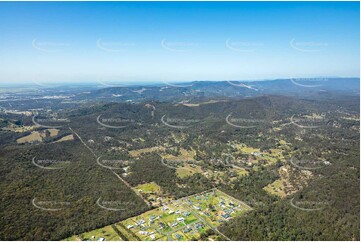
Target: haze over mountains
{"points": [[230, 89]]}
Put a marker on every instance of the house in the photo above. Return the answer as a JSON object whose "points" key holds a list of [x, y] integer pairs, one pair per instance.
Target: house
{"points": [[130, 226], [143, 232], [140, 222], [199, 226], [152, 236], [180, 219], [186, 214], [101, 239], [178, 236], [174, 224], [196, 208], [186, 230], [171, 211], [161, 225]]}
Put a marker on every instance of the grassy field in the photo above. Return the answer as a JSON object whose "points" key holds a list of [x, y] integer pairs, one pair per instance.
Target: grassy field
{"points": [[65, 138], [34, 136], [276, 188], [137, 153], [37, 136], [186, 155], [107, 233], [151, 187], [19, 129], [188, 170]]}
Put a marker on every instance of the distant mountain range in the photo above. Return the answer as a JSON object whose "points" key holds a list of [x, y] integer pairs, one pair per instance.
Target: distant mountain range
{"points": [[220, 89]]}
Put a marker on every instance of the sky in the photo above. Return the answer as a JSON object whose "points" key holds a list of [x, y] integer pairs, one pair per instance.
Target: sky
{"points": [[177, 41]]}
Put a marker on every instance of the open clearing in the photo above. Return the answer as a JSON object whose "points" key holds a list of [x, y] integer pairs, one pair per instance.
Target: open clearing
{"points": [[38, 136], [137, 153], [107, 233], [183, 219], [65, 138], [188, 170], [151, 187]]}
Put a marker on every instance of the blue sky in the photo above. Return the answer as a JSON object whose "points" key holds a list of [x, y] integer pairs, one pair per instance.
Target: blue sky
{"points": [[177, 41]]}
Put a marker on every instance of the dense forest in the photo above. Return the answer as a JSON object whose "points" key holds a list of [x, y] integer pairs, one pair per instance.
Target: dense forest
{"points": [[69, 195]]}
